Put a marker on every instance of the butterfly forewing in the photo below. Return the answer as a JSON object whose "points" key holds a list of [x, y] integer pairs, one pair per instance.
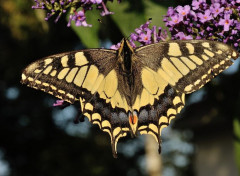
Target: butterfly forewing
{"points": [[187, 64], [67, 75]]}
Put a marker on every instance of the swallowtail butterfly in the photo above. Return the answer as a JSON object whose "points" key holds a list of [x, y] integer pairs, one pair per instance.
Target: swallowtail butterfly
{"points": [[131, 90]]}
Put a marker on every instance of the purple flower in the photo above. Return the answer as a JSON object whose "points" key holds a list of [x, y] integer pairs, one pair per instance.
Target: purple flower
{"points": [[134, 36], [79, 18], [58, 103], [209, 28], [234, 32], [132, 43], [183, 10], [154, 32], [182, 36], [170, 11], [205, 17], [216, 9], [115, 47], [175, 19], [226, 22], [193, 16], [96, 1], [196, 4], [142, 27], [218, 20], [75, 7], [145, 35], [105, 10]]}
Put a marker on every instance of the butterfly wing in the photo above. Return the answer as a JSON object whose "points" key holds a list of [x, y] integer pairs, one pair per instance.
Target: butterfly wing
{"points": [[169, 71], [161, 75], [187, 65], [89, 76]]}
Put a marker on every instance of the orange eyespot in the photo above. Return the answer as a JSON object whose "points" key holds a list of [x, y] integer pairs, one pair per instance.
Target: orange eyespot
{"points": [[133, 118]]}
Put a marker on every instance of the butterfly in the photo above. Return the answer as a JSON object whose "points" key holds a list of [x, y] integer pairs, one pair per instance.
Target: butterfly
{"points": [[131, 90]]}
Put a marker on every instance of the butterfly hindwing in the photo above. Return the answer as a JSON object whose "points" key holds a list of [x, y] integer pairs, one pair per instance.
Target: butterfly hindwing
{"points": [[114, 121], [156, 104], [154, 118]]}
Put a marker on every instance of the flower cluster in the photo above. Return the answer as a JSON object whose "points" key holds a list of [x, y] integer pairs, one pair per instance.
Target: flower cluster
{"points": [[77, 9], [145, 35], [218, 20]]}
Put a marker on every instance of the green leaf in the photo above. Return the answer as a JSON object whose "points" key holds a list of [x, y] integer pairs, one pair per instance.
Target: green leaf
{"points": [[89, 35], [156, 11], [125, 18]]}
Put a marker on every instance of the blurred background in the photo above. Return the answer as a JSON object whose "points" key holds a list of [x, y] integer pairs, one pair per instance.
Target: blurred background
{"points": [[37, 139]]}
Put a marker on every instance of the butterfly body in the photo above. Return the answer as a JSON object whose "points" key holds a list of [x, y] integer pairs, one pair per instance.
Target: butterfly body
{"points": [[131, 90]]}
